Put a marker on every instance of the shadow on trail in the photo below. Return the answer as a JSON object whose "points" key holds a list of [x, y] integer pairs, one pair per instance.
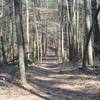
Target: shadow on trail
{"points": [[64, 94], [31, 91], [52, 81]]}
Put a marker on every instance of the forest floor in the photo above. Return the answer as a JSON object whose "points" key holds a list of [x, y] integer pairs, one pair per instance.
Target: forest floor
{"points": [[52, 81]]}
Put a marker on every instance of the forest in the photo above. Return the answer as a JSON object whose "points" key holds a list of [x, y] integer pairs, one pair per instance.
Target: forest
{"points": [[49, 49]]}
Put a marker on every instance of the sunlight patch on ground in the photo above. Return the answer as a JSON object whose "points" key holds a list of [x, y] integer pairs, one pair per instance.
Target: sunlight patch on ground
{"points": [[21, 97], [42, 78], [69, 87], [91, 86], [46, 68], [72, 76]]}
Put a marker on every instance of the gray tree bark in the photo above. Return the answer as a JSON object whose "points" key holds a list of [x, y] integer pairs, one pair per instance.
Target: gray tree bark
{"points": [[19, 29]]}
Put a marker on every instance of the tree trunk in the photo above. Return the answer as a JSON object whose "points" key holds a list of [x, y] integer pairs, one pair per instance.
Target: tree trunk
{"points": [[88, 38], [27, 28], [3, 49], [19, 29]]}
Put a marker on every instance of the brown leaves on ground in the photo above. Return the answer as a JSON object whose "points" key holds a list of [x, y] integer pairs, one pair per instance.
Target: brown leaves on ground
{"points": [[50, 81]]}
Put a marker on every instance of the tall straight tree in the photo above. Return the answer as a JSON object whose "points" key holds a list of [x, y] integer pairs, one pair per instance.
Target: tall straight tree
{"points": [[19, 29], [27, 28], [2, 44], [62, 30]]}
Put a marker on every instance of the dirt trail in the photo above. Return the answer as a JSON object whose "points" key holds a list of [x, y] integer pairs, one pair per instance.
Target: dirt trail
{"points": [[51, 81], [65, 82]]}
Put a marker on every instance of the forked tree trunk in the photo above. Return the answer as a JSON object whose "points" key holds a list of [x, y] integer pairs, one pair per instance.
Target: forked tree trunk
{"points": [[88, 38]]}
